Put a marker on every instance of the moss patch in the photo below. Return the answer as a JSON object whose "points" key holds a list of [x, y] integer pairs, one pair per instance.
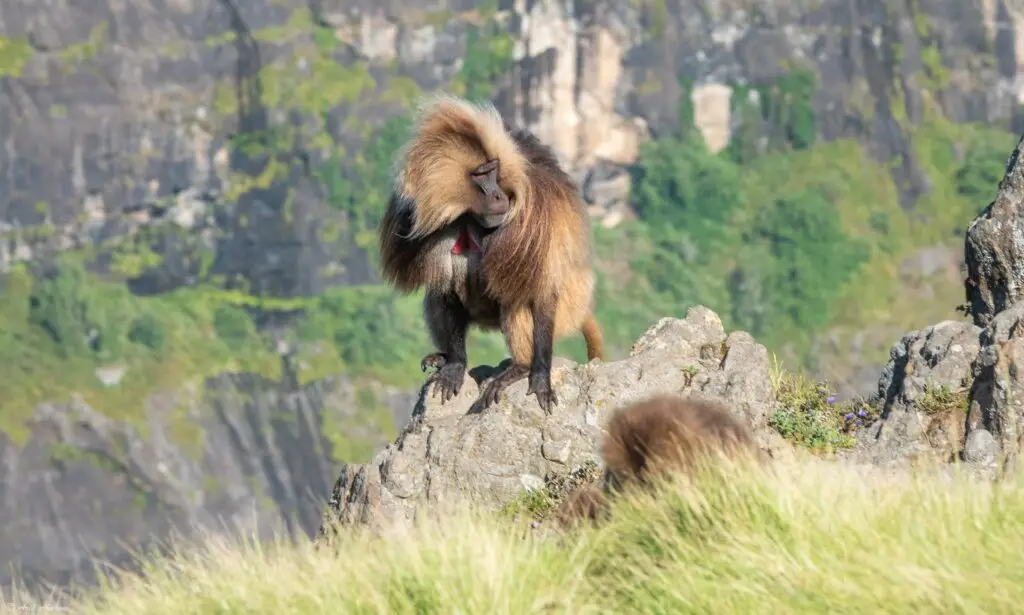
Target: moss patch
{"points": [[14, 55], [354, 437]]}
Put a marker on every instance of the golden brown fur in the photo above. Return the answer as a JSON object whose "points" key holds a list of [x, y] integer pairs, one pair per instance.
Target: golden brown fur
{"points": [[657, 436], [535, 266], [668, 433], [452, 137]]}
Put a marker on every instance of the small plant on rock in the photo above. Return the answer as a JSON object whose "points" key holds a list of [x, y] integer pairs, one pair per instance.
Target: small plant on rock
{"points": [[808, 414], [860, 414], [943, 398], [689, 372]]}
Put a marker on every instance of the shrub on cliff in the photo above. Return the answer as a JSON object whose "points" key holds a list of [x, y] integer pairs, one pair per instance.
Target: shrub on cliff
{"points": [[796, 259], [982, 169], [66, 308], [773, 259]]}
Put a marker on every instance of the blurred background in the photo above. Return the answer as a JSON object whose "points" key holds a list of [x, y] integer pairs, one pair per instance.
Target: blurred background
{"points": [[193, 331]]}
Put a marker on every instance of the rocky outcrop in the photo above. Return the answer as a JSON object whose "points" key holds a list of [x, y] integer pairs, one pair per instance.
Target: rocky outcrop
{"points": [[922, 395], [996, 418], [994, 248], [954, 388], [239, 453], [939, 401], [995, 260], [445, 455]]}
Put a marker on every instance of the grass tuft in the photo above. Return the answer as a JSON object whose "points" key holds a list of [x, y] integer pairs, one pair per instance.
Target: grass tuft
{"points": [[942, 399]]}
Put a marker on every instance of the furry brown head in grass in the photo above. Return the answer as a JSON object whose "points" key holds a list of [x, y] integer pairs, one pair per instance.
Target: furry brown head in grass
{"points": [[654, 438]]}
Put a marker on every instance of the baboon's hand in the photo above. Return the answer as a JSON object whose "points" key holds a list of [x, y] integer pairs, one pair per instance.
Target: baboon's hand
{"points": [[447, 381], [435, 360]]}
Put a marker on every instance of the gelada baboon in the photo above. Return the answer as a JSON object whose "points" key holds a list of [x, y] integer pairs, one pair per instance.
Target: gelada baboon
{"points": [[486, 221], [653, 437]]}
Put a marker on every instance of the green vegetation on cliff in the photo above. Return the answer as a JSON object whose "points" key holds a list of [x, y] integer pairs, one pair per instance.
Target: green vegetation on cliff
{"points": [[14, 54], [784, 245], [61, 325], [64, 326]]}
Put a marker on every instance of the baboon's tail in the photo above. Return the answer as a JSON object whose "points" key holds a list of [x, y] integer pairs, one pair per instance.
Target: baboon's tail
{"points": [[592, 334]]}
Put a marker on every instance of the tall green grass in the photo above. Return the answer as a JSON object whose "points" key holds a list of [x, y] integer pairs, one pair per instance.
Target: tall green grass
{"points": [[811, 537]]}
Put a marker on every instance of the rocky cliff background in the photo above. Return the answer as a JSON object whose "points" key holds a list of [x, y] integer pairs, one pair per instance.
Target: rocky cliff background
{"points": [[194, 330]]}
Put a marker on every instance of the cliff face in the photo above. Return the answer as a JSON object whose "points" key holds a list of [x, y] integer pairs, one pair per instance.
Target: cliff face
{"points": [[206, 127], [237, 452], [123, 103]]}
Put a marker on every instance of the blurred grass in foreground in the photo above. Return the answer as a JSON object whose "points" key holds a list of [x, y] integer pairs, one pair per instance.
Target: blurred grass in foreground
{"points": [[814, 537]]}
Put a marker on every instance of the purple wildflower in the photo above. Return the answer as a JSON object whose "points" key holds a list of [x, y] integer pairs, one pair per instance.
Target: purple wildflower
{"points": [[831, 400], [861, 413], [849, 416]]}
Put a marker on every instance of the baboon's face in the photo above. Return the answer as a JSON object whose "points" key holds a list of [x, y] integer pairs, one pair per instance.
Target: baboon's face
{"points": [[493, 203]]}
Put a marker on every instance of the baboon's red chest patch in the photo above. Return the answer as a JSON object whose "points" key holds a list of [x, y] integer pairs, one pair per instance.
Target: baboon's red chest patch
{"points": [[465, 243]]}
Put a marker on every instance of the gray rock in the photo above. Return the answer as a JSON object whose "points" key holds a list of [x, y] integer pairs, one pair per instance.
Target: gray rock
{"points": [[606, 186], [994, 247], [913, 421], [939, 354], [994, 251], [445, 454], [110, 375], [981, 448], [997, 399]]}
